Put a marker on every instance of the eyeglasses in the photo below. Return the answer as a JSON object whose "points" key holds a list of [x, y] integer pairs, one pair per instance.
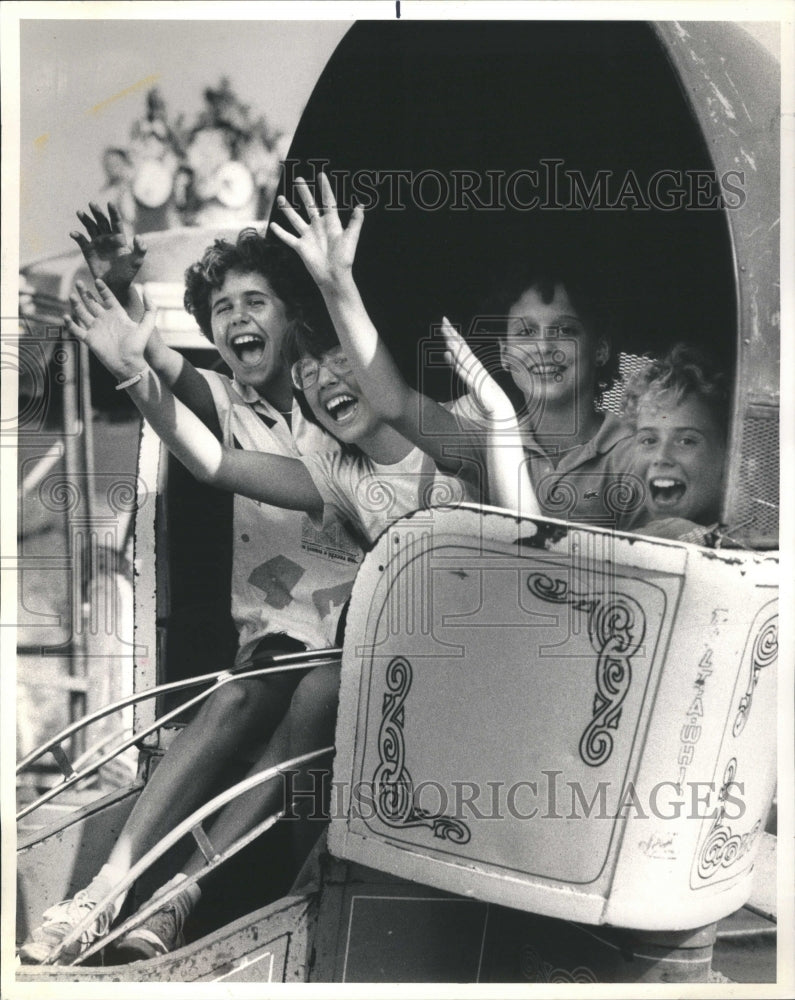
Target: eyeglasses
{"points": [[306, 371]]}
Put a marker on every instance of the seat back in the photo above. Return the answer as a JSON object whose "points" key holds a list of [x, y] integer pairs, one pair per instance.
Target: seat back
{"points": [[559, 719], [182, 554]]}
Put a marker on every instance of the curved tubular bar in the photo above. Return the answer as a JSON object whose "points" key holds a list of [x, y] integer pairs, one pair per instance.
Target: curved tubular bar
{"points": [[288, 659], [158, 901], [179, 831], [222, 677], [99, 745]]}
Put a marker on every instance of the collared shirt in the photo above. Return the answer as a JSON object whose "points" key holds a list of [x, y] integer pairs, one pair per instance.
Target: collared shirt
{"points": [[592, 483], [288, 575]]}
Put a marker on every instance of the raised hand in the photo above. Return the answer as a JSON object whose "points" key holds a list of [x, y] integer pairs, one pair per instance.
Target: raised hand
{"points": [[488, 395], [102, 324], [106, 249], [506, 467], [326, 248]]}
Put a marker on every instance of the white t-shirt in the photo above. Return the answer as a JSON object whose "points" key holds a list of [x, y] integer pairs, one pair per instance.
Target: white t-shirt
{"points": [[372, 496], [288, 575]]}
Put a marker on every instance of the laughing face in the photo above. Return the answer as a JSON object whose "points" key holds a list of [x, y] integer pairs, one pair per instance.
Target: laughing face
{"points": [[548, 350], [681, 449], [249, 324], [335, 397]]}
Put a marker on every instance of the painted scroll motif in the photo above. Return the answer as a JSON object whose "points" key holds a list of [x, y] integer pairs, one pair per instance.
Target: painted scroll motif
{"points": [[764, 653], [395, 802], [616, 628], [723, 848]]}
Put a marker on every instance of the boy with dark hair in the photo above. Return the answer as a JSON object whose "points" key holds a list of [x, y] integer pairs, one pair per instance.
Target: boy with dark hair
{"points": [[289, 581]]}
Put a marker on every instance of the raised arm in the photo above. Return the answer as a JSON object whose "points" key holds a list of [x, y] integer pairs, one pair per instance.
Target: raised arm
{"points": [[508, 478], [112, 259], [328, 250], [119, 343]]}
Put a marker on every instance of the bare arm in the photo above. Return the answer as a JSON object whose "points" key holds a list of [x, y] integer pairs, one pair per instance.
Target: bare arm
{"points": [[119, 344], [328, 252], [112, 259], [506, 466]]}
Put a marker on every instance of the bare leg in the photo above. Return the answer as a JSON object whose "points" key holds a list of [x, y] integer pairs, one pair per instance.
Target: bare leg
{"points": [[307, 726], [313, 714], [229, 719]]}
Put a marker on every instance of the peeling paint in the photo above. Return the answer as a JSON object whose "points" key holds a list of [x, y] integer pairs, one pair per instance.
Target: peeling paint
{"points": [[748, 158], [725, 103]]}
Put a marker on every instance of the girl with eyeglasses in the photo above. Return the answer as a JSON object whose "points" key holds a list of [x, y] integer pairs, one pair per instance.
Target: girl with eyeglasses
{"points": [[377, 476]]}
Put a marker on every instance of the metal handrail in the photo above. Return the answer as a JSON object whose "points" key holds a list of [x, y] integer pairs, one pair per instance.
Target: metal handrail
{"points": [[283, 662], [188, 825]]}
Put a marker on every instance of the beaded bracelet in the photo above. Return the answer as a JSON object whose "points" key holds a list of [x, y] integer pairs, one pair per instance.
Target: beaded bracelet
{"points": [[132, 380]]}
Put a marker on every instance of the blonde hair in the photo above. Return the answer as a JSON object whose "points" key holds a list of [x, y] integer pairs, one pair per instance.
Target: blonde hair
{"points": [[684, 371]]}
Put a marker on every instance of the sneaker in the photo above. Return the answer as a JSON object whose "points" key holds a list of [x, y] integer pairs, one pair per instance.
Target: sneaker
{"points": [[58, 923], [161, 932]]}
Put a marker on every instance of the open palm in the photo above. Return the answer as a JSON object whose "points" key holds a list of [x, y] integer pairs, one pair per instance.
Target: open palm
{"points": [[326, 248], [101, 323], [488, 395]]}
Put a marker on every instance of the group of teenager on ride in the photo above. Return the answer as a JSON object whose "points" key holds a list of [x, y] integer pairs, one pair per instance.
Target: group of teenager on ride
{"points": [[316, 426]]}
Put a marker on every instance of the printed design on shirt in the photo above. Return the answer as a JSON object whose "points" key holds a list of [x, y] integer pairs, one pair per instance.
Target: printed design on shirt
{"points": [[616, 627], [395, 799], [329, 600], [276, 578], [329, 542]]}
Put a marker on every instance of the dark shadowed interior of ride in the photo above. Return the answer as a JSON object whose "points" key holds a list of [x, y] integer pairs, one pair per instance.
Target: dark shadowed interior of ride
{"points": [[430, 99]]}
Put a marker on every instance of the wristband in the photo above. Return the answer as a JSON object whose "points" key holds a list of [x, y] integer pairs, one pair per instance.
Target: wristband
{"points": [[132, 380]]}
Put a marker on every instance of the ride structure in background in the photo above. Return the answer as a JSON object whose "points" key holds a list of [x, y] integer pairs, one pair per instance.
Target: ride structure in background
{"points": [[221, 170]]}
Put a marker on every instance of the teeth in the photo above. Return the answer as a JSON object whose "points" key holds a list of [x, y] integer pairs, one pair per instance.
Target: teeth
{"points": [[335, 406], [664, 484], [246, 338], [339, 401]]}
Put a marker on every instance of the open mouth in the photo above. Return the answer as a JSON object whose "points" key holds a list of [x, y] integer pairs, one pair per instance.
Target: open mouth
{"points": [[342, 408], [249, 348], [666, 491], [547, 370]]}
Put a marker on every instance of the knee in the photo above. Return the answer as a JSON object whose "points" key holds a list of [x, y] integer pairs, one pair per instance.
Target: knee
{"points": [[315, 697], [229, 702]]}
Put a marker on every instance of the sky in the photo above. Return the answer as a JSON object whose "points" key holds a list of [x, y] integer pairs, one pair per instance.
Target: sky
{"points": [[83, 82]]}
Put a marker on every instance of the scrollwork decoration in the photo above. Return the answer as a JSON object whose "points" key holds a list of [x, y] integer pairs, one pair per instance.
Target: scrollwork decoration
{"points": [[393, 787], [722, 847], [616, 627], [765, 652]]}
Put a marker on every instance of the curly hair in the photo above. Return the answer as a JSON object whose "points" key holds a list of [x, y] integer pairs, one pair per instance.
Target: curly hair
{"points": [[684, 371], [253, 253]]}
